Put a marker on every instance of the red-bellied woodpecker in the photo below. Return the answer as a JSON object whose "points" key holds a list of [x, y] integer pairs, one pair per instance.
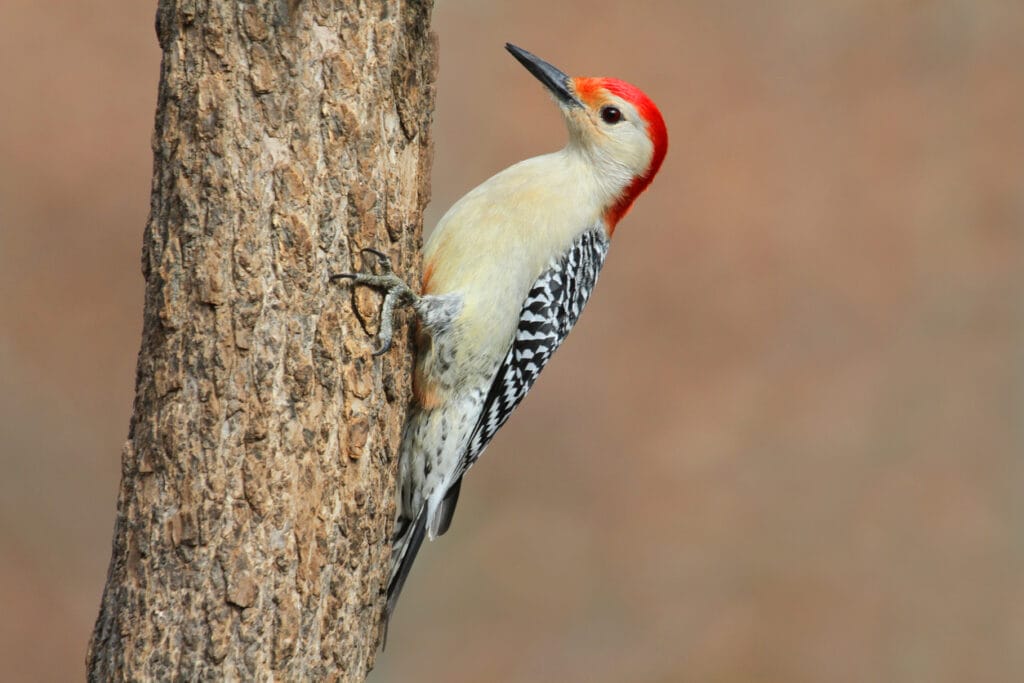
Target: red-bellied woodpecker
{"points": [[506, 273]]}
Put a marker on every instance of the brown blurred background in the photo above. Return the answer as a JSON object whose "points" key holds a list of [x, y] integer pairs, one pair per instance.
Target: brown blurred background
{"points": [[785, 442]]}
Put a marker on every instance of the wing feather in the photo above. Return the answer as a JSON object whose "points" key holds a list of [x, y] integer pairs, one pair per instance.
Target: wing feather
{"points": [[551, 309]]}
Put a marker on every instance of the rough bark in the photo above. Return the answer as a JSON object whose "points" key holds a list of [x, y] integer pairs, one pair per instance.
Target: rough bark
{"points": [[256, 496]]}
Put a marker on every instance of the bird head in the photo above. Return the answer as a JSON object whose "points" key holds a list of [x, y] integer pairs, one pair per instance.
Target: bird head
{"points": [[612, 122]]}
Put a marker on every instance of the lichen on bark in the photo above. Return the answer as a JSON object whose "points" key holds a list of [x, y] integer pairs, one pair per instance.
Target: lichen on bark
{"points": [[253, 519]]}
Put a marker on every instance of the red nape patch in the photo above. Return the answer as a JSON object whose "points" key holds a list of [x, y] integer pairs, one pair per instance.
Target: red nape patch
{"points": [[590, 91]]}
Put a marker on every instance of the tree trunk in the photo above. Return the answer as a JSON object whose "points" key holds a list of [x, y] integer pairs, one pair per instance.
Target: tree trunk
{"points": [[256, 499]]}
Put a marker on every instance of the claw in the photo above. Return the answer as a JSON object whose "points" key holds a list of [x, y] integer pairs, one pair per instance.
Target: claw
{"points": [[385, 261], [385, 265], [397, 293]]}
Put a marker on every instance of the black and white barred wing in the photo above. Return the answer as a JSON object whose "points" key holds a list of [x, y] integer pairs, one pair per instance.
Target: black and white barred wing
{"points": [[551, 309]]}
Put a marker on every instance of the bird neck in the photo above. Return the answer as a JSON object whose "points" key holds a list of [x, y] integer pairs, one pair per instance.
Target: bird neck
{"points": [[612, 184]]}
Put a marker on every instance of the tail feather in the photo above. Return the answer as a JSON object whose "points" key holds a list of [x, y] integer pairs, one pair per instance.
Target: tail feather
{"points": [[407, 541], [447, 509], [406, 545]]}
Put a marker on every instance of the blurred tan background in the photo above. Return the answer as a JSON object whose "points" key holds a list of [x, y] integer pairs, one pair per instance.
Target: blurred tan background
{"points": [[785, 443]]}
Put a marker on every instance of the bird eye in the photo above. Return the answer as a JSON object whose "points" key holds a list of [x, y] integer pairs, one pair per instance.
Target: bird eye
{"points": [[611, 114]]}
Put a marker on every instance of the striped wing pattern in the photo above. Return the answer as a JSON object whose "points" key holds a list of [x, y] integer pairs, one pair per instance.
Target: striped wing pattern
{"points": [[551, 309]]}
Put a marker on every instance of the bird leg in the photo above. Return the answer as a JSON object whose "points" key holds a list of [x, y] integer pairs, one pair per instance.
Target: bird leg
{"points": [[396, 294]]}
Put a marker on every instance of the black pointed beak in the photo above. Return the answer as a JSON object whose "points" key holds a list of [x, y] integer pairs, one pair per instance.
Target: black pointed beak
{"points": [[554, 80]]}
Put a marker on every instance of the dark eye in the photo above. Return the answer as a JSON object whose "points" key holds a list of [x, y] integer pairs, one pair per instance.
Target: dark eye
{"points": [[610, 115]]}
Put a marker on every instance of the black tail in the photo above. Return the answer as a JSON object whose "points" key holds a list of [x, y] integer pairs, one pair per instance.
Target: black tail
{"points": [[408, 539], [404, 549]]}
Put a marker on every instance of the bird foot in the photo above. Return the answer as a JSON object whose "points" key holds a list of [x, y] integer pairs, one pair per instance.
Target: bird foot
{"points": [[397, 293]]}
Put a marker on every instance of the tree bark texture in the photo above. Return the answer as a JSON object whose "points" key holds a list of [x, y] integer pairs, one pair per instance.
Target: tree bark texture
{"points": [[256, 498]]}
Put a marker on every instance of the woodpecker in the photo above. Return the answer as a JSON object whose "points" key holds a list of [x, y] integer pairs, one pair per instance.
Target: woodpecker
{"points": [[506, 274]]}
